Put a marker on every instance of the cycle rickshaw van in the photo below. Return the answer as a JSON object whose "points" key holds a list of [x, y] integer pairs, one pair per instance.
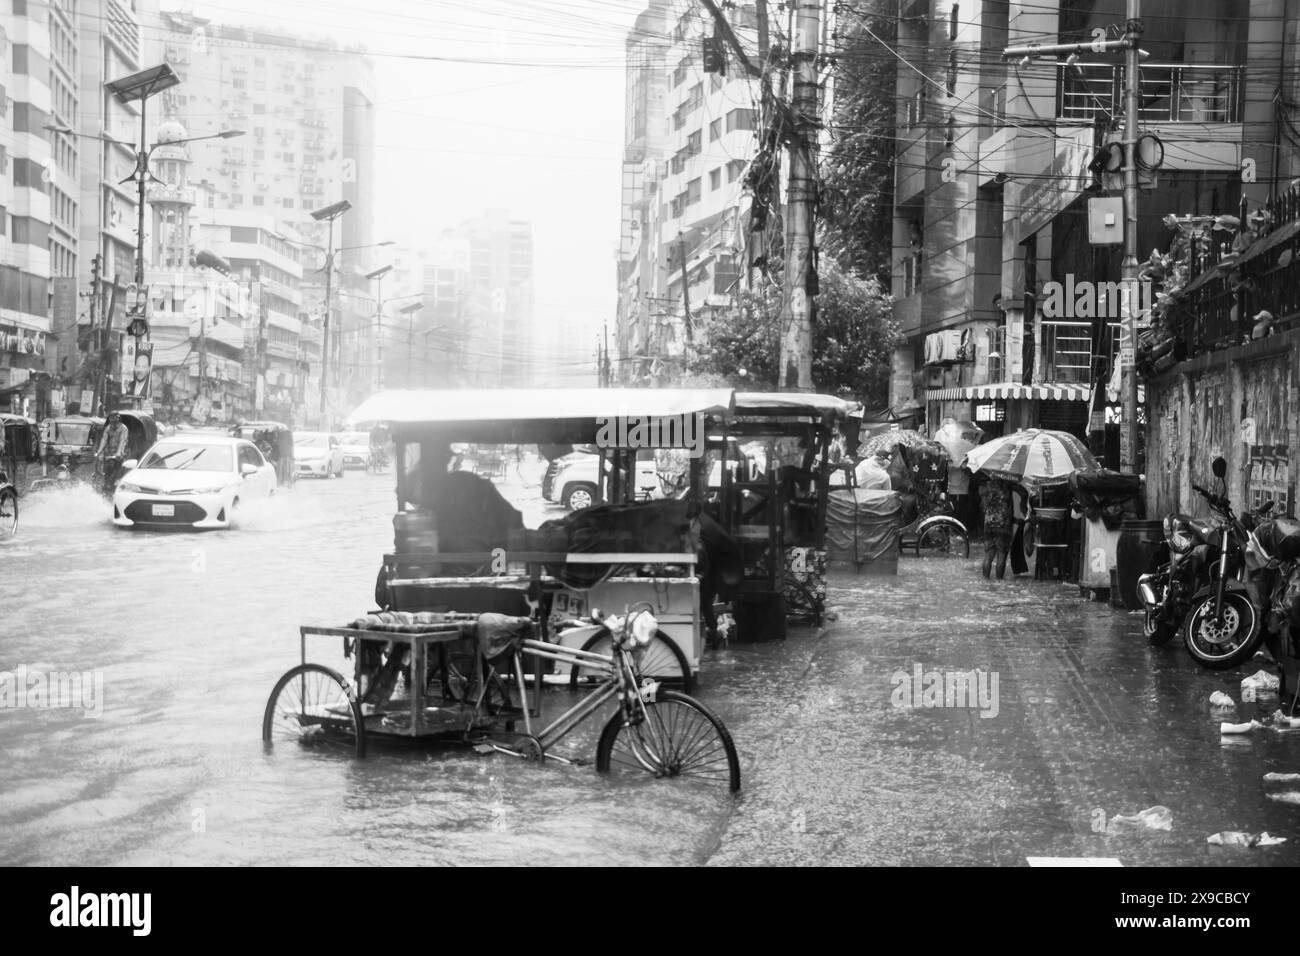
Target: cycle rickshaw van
{"points": [[770, 472], [499, 565], [275, 441], [470, 594], [21, 446]]}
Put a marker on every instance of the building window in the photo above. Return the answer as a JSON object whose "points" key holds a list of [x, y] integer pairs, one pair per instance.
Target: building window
{"points": [[258, 201], [287, 203], [20, 59], [734, 169], [695, 98], [715, 178], [715, 130], [693, 190], [741, 119]]}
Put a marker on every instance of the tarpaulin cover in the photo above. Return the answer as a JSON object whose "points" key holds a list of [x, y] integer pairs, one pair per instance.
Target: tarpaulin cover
{"points": [[644, 527], [1103, 495], [500, 634], [862, 525]]}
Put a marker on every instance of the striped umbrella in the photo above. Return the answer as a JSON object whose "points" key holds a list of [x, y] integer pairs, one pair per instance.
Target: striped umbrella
{"points": [[1032, 457]]}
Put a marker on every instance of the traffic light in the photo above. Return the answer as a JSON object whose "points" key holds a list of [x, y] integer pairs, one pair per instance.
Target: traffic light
{"points": [[714, 54]]}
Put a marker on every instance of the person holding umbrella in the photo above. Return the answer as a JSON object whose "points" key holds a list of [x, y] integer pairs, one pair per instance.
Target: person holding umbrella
{"points": [[995, 499]]}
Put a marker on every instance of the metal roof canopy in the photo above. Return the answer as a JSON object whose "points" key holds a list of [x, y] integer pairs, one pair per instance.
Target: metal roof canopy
{"points": [[533, 415], [792, 403]]}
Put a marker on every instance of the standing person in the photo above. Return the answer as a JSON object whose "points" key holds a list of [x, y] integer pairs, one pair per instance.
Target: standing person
{"points": [[959, 492], [995, 498], [1019, 515]]}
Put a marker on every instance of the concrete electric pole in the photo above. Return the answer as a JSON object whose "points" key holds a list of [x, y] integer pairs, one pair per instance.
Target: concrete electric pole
{"points": [[801, 197]]}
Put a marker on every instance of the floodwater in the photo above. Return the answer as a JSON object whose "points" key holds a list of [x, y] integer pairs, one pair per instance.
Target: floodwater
{"points": [[190, 632]]}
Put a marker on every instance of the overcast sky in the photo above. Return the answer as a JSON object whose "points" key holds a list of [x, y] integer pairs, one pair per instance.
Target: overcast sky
{"points": [[533, 124]]}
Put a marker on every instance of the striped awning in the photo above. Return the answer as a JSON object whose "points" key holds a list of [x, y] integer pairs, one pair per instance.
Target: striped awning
{"points": [[1040, 393]]}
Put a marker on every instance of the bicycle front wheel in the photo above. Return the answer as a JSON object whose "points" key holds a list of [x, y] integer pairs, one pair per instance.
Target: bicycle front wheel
{"points": [[313, 705], [679, 737], [660, 660], [943, 540], [8, 512]]}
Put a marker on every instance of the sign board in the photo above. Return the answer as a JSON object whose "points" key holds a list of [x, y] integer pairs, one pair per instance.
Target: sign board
{"points": [[87, 401], [1061, 185], [137, 368]]}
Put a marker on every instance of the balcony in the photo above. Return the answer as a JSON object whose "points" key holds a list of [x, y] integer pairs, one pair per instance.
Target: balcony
{"points": [[1169, 92], [1067, 351]]}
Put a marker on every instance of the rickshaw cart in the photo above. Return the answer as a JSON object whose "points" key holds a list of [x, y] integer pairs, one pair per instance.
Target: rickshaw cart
{"points": [[777, 512], [438, 600], [275, 441]]}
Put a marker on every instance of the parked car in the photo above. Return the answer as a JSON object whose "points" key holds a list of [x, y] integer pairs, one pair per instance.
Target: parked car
{"points": [[572, 481], [191, 480], [356, 449], [316, 453]]}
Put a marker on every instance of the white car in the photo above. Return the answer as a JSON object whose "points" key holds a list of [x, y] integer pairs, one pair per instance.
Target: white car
{"points": [[316, 453], [356, 449], [571, 481], [191, 480]]}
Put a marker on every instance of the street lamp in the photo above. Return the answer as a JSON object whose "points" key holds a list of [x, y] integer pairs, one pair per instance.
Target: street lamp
{"points": [[410, 310], [378, 276], [328, 214]]}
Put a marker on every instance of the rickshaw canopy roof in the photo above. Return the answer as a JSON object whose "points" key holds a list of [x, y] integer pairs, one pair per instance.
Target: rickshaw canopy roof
{"points": [[793, 403], [528, 415]]}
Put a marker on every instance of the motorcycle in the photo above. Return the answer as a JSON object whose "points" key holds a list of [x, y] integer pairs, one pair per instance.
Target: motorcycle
{"points": [[1192, 547], [1221, 629], [1273, 559]]}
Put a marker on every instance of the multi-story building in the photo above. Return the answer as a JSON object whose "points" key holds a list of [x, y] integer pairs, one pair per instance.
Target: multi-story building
{"points": [[997, 163], [305, 107], [689, 137], [27, 172]]}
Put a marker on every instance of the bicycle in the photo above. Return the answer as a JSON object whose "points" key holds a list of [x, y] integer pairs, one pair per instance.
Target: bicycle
{"points": [[655, 730]]}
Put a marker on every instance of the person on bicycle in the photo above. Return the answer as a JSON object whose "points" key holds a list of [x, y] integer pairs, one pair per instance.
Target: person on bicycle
{"points": [[111, 451], [378, 446]]}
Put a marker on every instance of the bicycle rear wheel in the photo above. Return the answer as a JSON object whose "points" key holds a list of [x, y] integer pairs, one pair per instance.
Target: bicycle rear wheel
{"points": [[679, 737], [313, 705], [661, 660]]}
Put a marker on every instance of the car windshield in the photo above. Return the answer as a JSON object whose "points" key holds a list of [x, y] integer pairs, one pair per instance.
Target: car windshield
{"points": [[310, 441], [354, 438], [173, 457]]}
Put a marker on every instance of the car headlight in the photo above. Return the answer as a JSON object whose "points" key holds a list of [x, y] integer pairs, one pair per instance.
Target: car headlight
{"points": [[133, 488]]}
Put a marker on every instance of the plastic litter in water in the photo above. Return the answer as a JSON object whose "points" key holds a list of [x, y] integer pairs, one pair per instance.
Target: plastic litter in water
{"points": [[1220, 699], [1227, 728], [1153, 818], [1282, 722], [1286, 796], [1257, 684], [1238, 838], [1282, 778]]}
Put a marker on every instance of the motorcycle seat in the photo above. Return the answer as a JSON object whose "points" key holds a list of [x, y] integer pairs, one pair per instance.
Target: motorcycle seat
{"points": [[1281, 538]]}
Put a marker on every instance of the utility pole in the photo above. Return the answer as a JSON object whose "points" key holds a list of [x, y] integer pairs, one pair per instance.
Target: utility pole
{"points": [[1129, 267], [686, 291], [98, 335], [795, 371]]}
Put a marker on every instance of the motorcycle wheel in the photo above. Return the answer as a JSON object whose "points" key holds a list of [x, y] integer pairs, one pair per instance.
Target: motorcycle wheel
{"points": [[1156, 630], [1228, 644]]}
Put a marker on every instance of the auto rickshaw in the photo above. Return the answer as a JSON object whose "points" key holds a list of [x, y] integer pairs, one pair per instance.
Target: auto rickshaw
{"points": [[275, 441], [477, 556], [769, 475], [20, 446], [68, 450]]}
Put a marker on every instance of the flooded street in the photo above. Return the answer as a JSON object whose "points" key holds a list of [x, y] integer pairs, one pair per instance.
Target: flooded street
{"points": [[191, 631]]}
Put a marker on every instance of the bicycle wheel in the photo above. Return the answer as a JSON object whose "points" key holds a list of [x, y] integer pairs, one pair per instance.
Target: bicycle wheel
{"points": [[463, 679], [679, 737], [662, 660], [314, 706], [943, 540], [8, 512]]}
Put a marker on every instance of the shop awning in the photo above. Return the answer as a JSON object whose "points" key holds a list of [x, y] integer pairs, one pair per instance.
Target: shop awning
{"points": [[1038, 393]]}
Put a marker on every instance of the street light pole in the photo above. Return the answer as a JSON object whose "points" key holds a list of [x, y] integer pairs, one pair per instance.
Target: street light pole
{"points": [[1129, 267], [378, 276], [329, 214]]}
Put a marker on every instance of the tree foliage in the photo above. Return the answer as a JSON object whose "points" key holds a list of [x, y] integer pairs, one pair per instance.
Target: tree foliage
{"points": [[854, 335], [857, 171]]}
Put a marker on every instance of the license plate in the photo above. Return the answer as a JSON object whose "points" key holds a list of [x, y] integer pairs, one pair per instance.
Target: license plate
{"points": [[164, 511]]}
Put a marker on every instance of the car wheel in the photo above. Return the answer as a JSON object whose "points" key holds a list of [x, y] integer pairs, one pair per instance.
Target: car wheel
{"points": [[579, 495]]}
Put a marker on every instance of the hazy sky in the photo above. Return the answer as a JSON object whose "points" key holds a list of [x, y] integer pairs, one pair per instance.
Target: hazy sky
{"points": [[532, 124]]}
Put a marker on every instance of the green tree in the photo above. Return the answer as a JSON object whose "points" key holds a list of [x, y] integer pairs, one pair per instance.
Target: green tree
{"points": [[857, 192], [854, 335]]}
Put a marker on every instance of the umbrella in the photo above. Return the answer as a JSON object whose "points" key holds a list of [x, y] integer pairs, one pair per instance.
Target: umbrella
{"points": [[906, 437], [1033, 457], [958, 437]]}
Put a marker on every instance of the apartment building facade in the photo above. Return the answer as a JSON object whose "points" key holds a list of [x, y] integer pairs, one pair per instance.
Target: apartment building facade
{"points": [[997, 162], [689, 137]]}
